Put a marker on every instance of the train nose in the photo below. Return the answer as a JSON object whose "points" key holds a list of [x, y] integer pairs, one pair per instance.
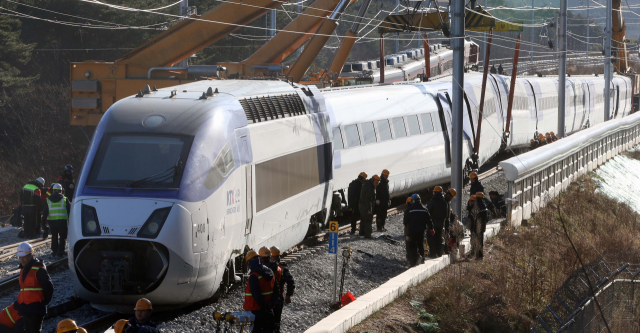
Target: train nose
{"points": [[120, 266]]}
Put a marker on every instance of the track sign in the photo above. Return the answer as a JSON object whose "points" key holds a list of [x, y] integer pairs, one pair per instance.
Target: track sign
{"points": [[333, 237]]}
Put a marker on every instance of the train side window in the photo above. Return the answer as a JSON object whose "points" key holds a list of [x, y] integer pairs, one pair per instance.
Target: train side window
{"points": [[398, 127], [384, 130], [353, 138], [368, 133], [414, 127], [337, 138], [427, 125], [222, 165]]}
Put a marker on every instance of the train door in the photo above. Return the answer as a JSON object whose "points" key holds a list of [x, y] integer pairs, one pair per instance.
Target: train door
{"points": [[246, 174], [444, 112]]}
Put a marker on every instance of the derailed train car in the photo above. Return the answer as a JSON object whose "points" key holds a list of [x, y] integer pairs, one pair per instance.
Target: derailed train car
{"points": [[178, 183]]}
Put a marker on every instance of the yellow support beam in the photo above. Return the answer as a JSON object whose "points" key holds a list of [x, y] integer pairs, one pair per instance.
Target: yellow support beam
{"points": [[475, 20]]}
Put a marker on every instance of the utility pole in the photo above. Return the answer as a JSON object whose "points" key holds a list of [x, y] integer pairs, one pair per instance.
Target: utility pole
{"points": [[607, 62], [588, 27], [272, 18], [562, 68], [485, 34], [184, 12], [397, 33], [533, 13], [299, 11], [457, 43]]}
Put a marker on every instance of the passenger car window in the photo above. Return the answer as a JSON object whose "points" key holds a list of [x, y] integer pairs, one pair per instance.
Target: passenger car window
{"points": [[427, 125], [222, 166], [384, 130], [351, 132], [398, 127], [414, 127], [337, 138], [368, 133]]}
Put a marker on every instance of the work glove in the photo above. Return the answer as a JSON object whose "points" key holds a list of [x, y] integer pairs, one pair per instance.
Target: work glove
{"points": [[432, 232]]}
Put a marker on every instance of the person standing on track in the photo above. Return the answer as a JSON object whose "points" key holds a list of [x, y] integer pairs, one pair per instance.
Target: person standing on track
{"points": [[141, 321], [36, 289], [354, 200], [383, 200], [31, 200], [366, 205], [66, 180], [476, 185], [439, 210], [10, 320], [56, 212], [450, 224], [415, 222], [285, 278], [261, 294]]}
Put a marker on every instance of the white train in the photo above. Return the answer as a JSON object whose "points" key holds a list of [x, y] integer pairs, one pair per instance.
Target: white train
{"points": [[178, 183]]}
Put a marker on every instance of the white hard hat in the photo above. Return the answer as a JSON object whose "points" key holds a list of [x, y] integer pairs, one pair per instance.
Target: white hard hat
{"points": [[24, 249], [57, 186], [40, 180]]}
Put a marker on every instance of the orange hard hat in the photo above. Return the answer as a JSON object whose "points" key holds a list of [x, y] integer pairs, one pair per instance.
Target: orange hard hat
{"points": [[385, 172], [121, 326], [548, 135], [66, 325], [264, 252], [82, 330], [551, 133], [143, 304], [437, 189], [250, 255], [275, 251], [453, 192], [473, 175], [479, 195], [363, 175], [532, 140], [408, 199], [472, 197], [376, 177]]}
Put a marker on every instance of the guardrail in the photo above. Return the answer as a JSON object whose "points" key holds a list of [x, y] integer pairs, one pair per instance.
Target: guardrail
{"points": [[536, 177]]}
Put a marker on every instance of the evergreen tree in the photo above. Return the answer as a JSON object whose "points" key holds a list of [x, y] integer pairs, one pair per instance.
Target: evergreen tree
{"points": [[13, 54]]}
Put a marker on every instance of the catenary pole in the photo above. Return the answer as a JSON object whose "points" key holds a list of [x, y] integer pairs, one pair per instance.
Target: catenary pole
{"points": [[607, 61], [457, 41], [397, 33], [299, 10], [588, 27], [562, 68], [533, 13]]}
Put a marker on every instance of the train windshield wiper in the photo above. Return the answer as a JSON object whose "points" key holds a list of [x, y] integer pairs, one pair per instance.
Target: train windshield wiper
{"points": [[160, 177]]}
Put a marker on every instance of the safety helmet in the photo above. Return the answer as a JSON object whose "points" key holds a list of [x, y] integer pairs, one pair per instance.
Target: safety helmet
{"points": [[66, 325], [363, 175], [473, 175], [143, 304], [453, 192], [264, 252], [250, 255], [479, 195], [376, 177], [385, 172], [82, 330], [24, 249], [532, 140], [437, 189], [275, 251], [40, 180], [121, 326], [551, 133], [540, 136], [415, 197], [408, 199], [472, 197], [57, 186], [68, 167], [548, 135]]}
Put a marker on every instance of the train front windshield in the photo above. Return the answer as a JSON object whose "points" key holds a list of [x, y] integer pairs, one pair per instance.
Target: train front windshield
{"points": [[139, 161]]}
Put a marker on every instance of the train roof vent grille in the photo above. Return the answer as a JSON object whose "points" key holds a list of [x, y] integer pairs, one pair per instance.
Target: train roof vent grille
{"points": [[265, 108]]}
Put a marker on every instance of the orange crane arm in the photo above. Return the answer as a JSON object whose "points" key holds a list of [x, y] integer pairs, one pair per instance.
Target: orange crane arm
{"points": [[341, 55], [618, 37], [190, 36]]}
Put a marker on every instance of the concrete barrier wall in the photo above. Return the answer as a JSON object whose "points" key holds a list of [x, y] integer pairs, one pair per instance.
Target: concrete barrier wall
{"points": [[364, 306]]}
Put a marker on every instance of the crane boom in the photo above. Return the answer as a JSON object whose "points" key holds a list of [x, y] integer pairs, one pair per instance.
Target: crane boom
{"points": [[618, 32]]}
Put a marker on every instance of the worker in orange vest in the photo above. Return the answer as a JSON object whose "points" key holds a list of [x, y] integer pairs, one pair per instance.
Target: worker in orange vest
{"points": [[10, 320], [284, 277], [36, 289], [261, 294]]}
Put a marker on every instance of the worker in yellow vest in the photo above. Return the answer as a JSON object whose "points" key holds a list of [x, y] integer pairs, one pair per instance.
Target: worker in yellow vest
{"points": [[56, 212]]}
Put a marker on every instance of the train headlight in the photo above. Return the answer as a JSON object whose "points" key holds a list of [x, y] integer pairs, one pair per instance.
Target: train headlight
{"points": [[154, 223], [90, 224]]}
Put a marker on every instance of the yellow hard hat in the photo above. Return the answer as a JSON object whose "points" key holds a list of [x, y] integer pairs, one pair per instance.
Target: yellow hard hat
{"points": [[437, 189], [479, 195], [385, 172], [472, 197], [275, 251], [66, 325], [121, 325], [264, 252], [532, 140], [453, 192], [363, 175], [82, 330], [473, 175], [251, 254], [376, 177], [143, 304]]}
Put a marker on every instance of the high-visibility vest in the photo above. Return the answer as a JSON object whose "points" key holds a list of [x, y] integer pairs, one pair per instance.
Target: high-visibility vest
{"points": [[278, 274], [9, 316], [30, 188], [58, 210], [266, 288], [30, 289]]}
